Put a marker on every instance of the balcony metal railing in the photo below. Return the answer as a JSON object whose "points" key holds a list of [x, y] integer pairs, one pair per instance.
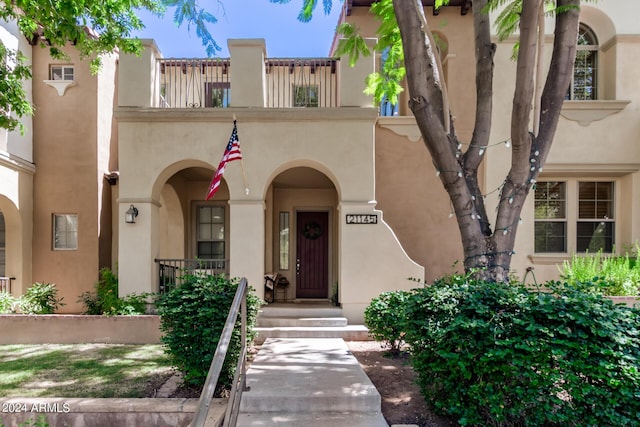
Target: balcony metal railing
{"points": [[205, 83], [171, 271], [194, 83], [302, 82], [5, 284]]}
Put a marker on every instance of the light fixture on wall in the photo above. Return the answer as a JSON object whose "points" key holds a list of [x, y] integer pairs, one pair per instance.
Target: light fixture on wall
{"points": [[130, 215]]}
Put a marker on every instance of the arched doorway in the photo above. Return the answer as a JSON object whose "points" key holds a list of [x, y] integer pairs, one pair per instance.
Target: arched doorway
{"points": [[302, 232]]}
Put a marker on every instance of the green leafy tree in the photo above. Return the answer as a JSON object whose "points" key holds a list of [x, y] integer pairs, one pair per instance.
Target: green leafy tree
{"points": [[94, 27], [405, 33]]}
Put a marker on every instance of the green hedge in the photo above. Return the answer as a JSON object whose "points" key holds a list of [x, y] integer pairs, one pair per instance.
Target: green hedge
{"points": [[384, 317], [192, 319], [498, 354]]}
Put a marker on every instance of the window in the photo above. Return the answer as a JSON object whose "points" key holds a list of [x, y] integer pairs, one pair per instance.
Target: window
{"points": [[210, 232], [574, 216], [61, 72], [305, 96], [65, 232], [550, 217], [217, 94], [584, 84], [3, 245], [284, 240], [595, 217]]}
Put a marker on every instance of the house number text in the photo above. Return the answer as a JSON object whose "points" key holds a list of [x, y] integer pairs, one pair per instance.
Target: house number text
{"points": [[362, 219]]}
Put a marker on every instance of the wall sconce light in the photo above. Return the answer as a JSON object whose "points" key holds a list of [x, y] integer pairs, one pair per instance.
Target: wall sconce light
{"points": [[130, 215]]}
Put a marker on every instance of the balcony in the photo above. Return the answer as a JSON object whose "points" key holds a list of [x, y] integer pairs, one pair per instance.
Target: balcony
{"points": [[248, 78], [206, 83]]}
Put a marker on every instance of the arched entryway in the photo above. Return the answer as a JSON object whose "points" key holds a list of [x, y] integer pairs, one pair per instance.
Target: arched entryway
{"points": [[301, 233]]}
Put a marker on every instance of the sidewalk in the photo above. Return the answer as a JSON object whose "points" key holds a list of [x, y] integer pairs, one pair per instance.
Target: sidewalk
{"points": [[308, 381]]}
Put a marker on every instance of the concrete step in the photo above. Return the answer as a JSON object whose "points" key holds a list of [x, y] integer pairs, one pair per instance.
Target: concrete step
{"points": [[347, 333], [305, 310], [307, 375], [294, 321], [322, 419]]}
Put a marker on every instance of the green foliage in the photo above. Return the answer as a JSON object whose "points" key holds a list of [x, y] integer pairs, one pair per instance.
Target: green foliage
{"points": [[498, 354], [41, 298], [41, 421], [94, 28], [7, 303], [105, 299], [13, 99], [610, 275], [384, 317], [192, 319]]}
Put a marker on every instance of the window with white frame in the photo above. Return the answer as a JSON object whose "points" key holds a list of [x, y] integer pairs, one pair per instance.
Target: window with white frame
{"points": [[3, 245], [65, 231], [550, 217], [61, 72], [210, 241], [584, 83], [574, 216]]}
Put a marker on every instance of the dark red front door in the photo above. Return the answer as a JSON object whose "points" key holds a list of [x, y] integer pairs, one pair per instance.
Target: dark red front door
{"points": [[312, 255]]}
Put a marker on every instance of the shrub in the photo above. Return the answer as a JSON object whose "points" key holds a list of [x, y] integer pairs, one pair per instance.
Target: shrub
{"points": [[608, 275], [192, 319], [7, 302], [105, 299], [384, 317], [41, 298], [497, 354]]}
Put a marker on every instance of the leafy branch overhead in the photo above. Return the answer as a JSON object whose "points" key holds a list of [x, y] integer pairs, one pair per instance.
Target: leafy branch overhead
{"points": [[94, 27]]}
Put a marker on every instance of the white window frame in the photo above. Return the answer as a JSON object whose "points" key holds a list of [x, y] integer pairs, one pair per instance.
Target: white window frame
{"points": [[64, 72], [595, 50], [70, 233], [3, 245], [572, 210]]}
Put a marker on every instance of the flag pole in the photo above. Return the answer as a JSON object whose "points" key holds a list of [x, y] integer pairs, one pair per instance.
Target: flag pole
{"points": [[244, 175]]}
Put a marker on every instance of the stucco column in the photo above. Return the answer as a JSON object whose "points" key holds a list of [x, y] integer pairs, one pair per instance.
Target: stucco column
{"points": [[138, 247], [247, 72], [137, 82], [352, 79], [247, 242], [372, 260]]}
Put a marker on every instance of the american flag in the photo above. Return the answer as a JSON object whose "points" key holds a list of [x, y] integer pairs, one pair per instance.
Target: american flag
{"points": [[231, 153]]}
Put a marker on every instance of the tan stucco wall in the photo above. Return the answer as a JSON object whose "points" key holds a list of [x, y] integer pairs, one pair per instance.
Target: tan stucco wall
{"points": [[72, 134]]}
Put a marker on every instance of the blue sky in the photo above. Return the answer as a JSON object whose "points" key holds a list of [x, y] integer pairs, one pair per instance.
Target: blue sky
{"points": [[276, 23]]}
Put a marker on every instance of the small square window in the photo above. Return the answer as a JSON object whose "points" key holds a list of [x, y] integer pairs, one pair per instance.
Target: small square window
{"points": [[305, 96], [61, 72], [65, 232]]}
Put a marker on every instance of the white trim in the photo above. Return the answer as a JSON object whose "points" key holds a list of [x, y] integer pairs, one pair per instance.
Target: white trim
{"points": [[60, 85]]}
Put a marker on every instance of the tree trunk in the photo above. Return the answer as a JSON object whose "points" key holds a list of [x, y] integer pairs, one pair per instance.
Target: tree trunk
{"points": [[487, 252]]}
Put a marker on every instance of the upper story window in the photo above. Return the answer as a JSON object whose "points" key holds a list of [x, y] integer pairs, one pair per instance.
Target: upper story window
{"points": [[305, 96], [574, 216], [65, 232], [61, 72], [584, 83]]}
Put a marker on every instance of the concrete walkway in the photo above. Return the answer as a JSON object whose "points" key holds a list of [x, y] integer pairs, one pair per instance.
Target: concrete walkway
{"points": [[308, 381]]}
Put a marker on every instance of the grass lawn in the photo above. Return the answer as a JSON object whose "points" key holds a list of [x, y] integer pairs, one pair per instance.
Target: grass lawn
{"points": [[82, 370]]}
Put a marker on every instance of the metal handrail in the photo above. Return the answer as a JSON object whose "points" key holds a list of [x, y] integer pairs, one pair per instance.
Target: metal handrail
{"points": [[239, 381]]}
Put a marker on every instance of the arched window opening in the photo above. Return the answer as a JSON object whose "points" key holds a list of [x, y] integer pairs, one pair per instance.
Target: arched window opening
{"points": [[584, 84]]}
